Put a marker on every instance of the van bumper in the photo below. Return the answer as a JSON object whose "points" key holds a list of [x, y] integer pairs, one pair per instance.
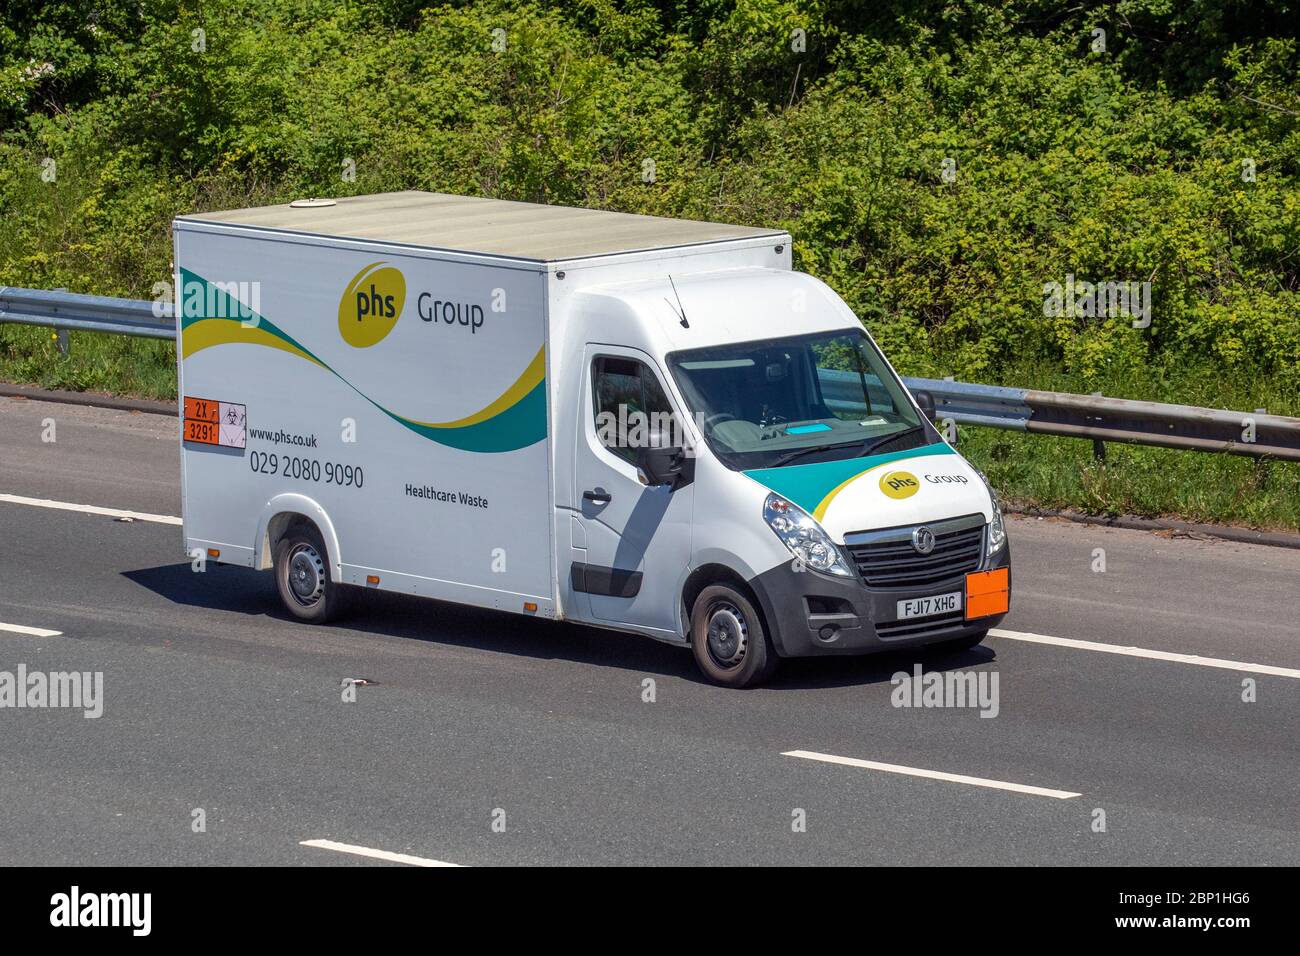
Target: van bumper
{"points": [[812, 614]]}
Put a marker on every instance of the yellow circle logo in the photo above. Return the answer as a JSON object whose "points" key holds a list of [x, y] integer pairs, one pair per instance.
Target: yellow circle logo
{"points": [[371, 305], [899, 484]]}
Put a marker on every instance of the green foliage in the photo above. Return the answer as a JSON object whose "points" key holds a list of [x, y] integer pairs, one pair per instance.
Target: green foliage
{"points": [[1122, 164]]}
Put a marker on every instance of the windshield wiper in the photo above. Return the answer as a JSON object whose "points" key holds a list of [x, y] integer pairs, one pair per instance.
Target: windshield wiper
{"points": [[888, 439], [866, 449], [799, 453]]}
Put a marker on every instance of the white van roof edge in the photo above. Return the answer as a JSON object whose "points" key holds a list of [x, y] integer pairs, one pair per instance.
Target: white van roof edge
{"points": [[490, 227]]}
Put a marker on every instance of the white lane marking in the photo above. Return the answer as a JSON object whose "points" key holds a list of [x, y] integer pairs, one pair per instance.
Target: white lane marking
{"points": [[89, 509], [30, 631], [933, 774], [1146, 652], [374, 854]]}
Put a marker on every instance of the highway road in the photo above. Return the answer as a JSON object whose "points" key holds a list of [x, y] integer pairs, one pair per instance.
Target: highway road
{"points": [[488, 739]]}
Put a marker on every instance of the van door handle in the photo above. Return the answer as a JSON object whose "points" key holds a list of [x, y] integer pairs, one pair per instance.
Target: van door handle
{"points": [[597, 497]]}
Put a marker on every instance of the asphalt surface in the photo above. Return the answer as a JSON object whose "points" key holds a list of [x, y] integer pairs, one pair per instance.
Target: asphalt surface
{"points": [[214, 701]]}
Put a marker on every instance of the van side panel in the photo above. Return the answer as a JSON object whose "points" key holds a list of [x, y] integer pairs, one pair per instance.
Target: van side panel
{"points": [[401, 393]]}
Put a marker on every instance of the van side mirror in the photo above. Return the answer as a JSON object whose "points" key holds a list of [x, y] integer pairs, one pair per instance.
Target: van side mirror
{"points": [[925, 402], [665, 466]]}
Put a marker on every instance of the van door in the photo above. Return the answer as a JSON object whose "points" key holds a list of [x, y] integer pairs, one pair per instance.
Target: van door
{"points": [[638, 538]]}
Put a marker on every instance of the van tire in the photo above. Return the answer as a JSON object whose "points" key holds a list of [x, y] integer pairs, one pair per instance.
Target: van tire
{"points": [[728, 639], [302, 576]]}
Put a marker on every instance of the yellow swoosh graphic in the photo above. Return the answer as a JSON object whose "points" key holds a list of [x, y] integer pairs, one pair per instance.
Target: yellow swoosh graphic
{"points": [[206, 333], [526, 382], [820, 511], [209, 332]]}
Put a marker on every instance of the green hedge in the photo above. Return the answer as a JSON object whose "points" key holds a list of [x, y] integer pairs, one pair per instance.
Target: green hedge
{"points": [[1117, 165]]}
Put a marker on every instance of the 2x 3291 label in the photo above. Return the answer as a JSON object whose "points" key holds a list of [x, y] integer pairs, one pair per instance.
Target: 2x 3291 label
{"points": [[210, 422]]}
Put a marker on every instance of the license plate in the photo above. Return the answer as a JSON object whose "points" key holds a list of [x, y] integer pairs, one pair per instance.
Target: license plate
{"points": [[926, 606]]}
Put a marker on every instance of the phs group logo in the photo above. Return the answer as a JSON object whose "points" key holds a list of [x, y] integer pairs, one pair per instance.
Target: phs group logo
{"points": [[371, 305], [899, 484]]}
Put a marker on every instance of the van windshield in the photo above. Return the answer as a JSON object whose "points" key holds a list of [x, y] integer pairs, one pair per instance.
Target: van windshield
{"points": [[807, 398]]}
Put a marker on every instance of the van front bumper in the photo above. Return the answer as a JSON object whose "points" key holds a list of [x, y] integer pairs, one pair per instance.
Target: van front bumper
{"points": [[812, 614]]}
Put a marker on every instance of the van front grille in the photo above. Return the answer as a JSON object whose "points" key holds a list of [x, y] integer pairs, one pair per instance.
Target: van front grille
{"points": [[890, 561], [921, 627]]}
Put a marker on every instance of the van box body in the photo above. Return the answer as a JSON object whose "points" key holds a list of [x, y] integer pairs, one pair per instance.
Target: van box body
{"points": [[449, 417]]}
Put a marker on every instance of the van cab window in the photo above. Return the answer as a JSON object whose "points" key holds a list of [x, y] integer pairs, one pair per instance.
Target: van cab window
{"points": [[631, 409], [796, 400]]}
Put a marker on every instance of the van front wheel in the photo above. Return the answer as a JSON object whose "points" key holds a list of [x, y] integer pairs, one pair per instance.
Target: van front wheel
{"points": [[728, 639], [302, 576]]}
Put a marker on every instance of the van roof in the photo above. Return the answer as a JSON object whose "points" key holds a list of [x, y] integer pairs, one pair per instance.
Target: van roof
{"points": [[472, 224]]}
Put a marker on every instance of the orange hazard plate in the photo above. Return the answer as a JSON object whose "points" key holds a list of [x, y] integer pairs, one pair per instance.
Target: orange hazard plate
{"points": [[202, 409], [209, 422], [988, 593]]}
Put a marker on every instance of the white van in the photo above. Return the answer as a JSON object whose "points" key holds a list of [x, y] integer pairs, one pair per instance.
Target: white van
{"points": [[643, 424]]}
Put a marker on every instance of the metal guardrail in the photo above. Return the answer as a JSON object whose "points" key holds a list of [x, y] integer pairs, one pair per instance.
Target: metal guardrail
{"points": [[69, 311], [968, 403], [1256, 434], [1048, 413]]}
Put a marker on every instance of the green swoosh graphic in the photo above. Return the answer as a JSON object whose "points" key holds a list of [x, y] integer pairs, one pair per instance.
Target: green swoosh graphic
{"points": [[519, 424], [808, 485]]}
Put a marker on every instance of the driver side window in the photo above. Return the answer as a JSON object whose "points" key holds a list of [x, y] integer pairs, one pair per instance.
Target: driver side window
{"points": [[631, 409]]}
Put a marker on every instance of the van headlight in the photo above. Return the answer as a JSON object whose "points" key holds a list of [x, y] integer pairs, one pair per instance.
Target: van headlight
{"points": [[803, 536], [997, 528]]}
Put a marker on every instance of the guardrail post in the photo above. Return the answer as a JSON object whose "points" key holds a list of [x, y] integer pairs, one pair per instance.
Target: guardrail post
{"points": [[61, 340], [1098, 446], [1262, 464], [950, 429]]}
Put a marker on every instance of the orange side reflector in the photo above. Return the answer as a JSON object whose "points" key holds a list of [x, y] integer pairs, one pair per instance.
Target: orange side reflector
{"points": [[530, 606], [372, 579], [213, 553], [988, 593]]}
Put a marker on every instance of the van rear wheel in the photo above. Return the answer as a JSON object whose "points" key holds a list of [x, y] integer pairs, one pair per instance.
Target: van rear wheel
{"points": [[303, 578], [728, 639]]}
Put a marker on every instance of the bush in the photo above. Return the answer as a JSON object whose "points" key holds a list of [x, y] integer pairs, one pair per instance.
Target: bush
{"points": [[937, 163]]}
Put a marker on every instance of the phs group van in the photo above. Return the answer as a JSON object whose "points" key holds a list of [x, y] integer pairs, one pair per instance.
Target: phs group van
{"points": [[643, 424]]}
